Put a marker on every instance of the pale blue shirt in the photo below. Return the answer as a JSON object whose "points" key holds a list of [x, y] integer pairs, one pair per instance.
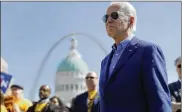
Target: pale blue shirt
{"points": [[118, 50]]}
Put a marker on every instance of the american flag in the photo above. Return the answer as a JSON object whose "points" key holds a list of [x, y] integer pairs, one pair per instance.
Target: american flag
{"points": [[5, 80]]}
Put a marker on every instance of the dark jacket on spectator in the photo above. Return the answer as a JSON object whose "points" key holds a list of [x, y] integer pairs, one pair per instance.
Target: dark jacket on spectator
{"points": [[49, 108], [175, 90], [79, 104]]}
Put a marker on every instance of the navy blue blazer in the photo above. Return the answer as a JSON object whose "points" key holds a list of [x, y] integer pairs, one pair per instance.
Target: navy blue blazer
{"points": [[138, 83], [79, 103], [175, 90]]}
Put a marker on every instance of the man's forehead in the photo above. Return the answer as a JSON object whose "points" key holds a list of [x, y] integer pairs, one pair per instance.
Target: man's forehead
{"points": [[112, 8], [92, 74], [179, 61], [44, 87], [15, 88]]}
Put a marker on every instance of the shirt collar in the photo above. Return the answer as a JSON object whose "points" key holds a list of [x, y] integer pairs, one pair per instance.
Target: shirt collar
{"points": [[92, 94], [44, 101], [122, 44]]}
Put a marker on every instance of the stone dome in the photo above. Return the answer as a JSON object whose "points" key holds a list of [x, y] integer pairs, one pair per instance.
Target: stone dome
{"points": [[73, 62]]}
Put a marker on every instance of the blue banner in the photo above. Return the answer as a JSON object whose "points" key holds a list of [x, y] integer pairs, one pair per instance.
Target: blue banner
{"points": [[5, 80]]}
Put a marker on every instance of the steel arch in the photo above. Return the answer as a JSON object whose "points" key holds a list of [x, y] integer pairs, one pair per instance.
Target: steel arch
{"points": [[46, 57]]}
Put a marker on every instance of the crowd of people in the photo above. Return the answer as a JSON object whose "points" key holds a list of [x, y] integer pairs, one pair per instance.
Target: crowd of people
{"points": [[17, 103], [84, 102], [133, 76]]}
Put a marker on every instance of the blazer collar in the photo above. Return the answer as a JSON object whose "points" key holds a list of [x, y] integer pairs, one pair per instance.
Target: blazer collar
{"points": [[128, 52]]}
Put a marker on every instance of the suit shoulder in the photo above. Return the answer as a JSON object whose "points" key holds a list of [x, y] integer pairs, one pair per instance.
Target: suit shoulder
{"points": [[148, 45], [30, 108], [81, 95], [150, 48], [105, 58], [173, 84]]}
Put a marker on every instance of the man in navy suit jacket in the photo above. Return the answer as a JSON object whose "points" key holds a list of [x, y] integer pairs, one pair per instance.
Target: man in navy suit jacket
{"points": [[175, 88], [133, 76], [89, 100]]}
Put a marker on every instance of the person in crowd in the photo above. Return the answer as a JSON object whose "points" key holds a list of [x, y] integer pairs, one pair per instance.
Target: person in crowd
{"points": [[43, 105], [3, 108], [175, 87], [19, 102], [133, 75], [89, 100], [57, 101]]}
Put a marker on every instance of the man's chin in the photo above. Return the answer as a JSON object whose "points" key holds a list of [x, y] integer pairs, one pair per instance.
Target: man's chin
{"points": [[110, 33], [41, 97], [112, 36]]}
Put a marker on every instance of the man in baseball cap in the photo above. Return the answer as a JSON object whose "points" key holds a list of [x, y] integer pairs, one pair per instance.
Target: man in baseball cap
{"points": [[20, 103]]}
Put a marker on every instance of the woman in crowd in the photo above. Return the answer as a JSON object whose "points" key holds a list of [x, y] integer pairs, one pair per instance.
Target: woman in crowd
{"points": [[57, 101]]}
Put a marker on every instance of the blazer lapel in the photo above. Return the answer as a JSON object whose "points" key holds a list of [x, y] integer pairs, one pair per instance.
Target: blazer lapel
{"points": [[127, 53], [106, 67]]}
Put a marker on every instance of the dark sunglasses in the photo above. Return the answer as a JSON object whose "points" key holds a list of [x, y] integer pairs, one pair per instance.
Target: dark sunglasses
{"points": [[179, 66], [114, 15], [89, 77]]}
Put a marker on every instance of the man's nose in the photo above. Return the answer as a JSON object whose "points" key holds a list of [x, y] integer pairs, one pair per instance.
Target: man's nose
{"points": [[110, 19], [41, 92]]}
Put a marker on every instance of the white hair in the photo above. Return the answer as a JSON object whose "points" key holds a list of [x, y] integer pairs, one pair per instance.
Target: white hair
{"points": [[177, 60], [91, 72], [127, 10]]}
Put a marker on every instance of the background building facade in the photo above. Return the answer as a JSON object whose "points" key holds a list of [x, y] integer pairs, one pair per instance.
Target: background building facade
{"points": [[70, 76]]}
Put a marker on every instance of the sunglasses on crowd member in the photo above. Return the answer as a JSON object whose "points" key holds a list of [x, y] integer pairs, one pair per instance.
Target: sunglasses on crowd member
{"points": [[114, 15], [179, 66], [89, 77]]}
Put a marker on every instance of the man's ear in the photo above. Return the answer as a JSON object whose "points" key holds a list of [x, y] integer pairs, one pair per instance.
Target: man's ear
{"points": [[131, 22]]}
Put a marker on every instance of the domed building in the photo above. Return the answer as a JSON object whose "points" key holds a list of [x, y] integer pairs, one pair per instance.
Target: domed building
{"points": [[70, 76]]}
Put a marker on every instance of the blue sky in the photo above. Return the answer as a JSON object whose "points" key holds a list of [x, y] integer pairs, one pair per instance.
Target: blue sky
{"points": [[29, 29]]}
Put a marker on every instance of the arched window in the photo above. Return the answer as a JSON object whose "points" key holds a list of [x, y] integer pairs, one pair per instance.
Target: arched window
{"points": [[67, 87], [60, 87], [76, 87], [71, 87]]}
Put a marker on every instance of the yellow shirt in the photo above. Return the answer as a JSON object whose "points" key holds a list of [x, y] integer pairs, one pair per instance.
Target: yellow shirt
{"points": [[40, 106], [3, 108], [91, 97], [23, 104]]}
